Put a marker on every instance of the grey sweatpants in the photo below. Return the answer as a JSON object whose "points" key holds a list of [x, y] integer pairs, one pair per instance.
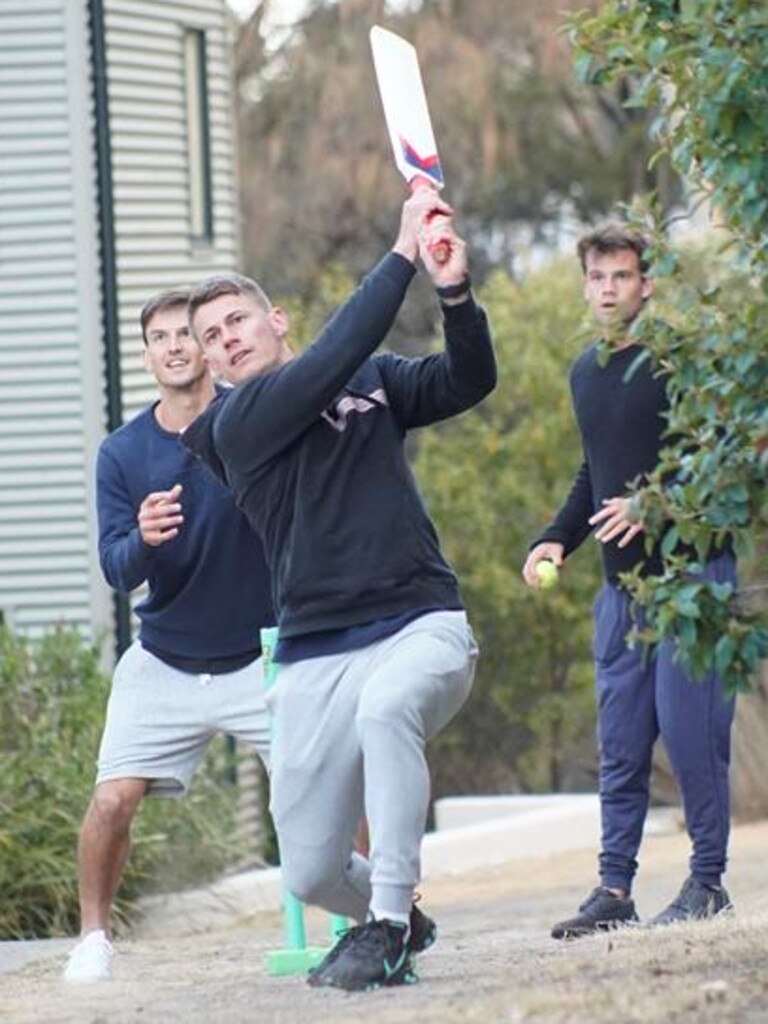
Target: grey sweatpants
{"points": [[349, 732]]}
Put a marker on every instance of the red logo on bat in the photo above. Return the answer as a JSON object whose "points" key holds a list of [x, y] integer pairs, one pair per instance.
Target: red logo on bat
{"points": [[428, 165]]}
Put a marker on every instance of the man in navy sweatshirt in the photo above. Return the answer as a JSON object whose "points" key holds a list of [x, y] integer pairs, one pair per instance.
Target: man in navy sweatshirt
{"points": [[195, 668], [640, 693], [375, 650]]}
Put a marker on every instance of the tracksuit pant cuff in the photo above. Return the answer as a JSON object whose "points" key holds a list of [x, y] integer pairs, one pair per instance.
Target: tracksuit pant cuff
{"points": [[397, 899]]}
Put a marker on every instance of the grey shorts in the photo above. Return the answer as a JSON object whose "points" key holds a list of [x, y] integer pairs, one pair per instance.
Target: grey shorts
{"points": [[160, 720]]}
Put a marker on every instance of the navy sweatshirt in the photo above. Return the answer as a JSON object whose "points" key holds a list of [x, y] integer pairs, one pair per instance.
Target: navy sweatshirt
{"points": [[621, 422], [209, 590], [314, 452]]}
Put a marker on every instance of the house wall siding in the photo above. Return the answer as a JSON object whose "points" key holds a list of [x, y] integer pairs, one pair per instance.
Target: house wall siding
{"points": [[52, 372], [50, 368], [147, 105]]}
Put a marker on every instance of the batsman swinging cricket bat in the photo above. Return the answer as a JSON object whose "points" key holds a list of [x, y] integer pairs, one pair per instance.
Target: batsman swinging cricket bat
{"points": [[407, 116]]}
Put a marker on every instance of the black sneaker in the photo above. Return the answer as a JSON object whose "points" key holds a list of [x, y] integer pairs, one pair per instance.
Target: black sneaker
{"points": [[600, 911], [365, 957], [423, 931], [694, 902]]}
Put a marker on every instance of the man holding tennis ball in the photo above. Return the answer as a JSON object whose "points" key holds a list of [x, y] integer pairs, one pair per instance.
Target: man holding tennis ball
{"points": [[641, 693]]}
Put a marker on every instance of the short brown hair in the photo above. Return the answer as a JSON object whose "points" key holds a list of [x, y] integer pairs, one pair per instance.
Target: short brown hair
{"points": [[611, 236], [171, 299], [211, 288]]}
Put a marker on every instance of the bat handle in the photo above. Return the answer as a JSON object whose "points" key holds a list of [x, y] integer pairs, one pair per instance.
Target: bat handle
{"points": [[440, 248]]}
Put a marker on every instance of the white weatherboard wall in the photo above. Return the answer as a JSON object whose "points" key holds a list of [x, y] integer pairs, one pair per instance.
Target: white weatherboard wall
{"points": [[52, 372], [147, 103], [50, 369]]}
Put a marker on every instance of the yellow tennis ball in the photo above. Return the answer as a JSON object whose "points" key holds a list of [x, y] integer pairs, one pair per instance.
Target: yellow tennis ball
{"points": [[547, 573]]}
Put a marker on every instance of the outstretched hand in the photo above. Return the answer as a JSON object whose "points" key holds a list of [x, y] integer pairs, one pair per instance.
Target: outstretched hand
{"points": [[615, 519]]}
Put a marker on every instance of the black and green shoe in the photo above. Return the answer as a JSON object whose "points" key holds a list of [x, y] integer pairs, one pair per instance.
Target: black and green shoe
{"points": [[368, 956], [423, 930]]}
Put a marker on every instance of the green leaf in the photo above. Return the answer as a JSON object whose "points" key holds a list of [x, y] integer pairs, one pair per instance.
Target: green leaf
{"points": [[670, 541], [657, 49]]}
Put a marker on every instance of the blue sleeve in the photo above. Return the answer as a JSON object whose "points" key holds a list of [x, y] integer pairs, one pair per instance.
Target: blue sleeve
{"points": [[125, 558], [267, 413], [422, 391]]}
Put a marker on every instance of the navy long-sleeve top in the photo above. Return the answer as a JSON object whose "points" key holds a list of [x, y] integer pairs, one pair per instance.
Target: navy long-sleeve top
{"points": [[621, 419], [314, 452], [208, 588]]}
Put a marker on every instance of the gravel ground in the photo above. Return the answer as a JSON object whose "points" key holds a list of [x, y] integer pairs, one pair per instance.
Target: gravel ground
{"points": [[494, 961]]}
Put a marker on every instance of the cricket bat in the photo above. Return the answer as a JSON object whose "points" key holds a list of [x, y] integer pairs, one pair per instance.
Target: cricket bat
{"points": [[407, 116]]}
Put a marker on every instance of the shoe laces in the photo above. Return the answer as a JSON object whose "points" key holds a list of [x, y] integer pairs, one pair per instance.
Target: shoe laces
{"points": [[690, 886], [369, 937], [372, 933], [680, 901], [346, 937], [595, 896], [92, 942]]}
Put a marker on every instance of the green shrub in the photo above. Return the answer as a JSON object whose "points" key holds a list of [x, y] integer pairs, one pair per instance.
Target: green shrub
{"points": [[53, 695]]}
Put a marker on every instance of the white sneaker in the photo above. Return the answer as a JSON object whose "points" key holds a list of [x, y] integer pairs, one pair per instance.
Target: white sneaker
{"points": [[90, 960]]}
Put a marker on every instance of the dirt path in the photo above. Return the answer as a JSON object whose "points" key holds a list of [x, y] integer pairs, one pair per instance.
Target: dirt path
{"points": [[494, 962]]}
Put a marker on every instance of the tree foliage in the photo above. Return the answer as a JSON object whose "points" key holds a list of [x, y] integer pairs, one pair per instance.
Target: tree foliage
{"points": [[526, 149], [491, 479], [704, 64]]}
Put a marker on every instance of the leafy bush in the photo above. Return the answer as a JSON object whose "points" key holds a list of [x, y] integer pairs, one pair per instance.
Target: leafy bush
{"points": [[703, 64], [52, 699]]}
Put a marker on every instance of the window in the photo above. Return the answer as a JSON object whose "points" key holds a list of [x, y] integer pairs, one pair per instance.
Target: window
{"points": [[198, 136]]}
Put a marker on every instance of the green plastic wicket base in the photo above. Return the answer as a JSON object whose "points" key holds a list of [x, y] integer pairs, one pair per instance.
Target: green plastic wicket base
{"points": [[294, 961]]}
